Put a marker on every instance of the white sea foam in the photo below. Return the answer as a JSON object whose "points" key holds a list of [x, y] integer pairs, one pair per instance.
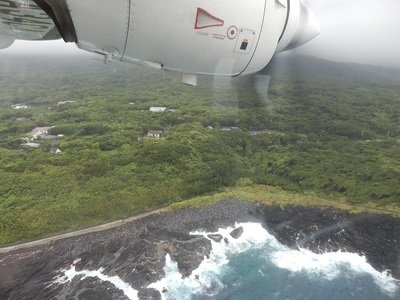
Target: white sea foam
{"points": [[182, 288], [331, 265], [71, 273], [206, 278]]}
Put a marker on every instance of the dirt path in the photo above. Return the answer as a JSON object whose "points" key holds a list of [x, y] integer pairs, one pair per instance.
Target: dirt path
{"points": [[97, 228]]}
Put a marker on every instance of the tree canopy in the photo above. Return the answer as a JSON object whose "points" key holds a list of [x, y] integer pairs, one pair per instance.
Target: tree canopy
{"points": [[304, 131]]}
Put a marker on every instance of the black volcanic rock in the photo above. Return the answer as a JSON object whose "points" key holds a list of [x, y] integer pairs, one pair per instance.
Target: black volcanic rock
{"points": [[215, 237], [237, 232], [149, 294], [136, 252], [93, 289]]}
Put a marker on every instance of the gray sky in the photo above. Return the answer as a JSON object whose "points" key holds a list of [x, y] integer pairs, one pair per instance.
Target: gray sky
{"points": [[42, 47], [362, 31]]}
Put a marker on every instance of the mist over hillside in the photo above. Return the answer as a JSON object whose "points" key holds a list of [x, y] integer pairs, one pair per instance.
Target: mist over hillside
{"points": [[294, 67], [308, 68]]}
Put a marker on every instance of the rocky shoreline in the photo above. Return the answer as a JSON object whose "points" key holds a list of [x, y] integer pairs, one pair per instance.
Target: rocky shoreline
{"points": [[135, 252]]}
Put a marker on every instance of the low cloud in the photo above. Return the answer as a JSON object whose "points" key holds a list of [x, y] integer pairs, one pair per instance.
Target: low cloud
{"points": [[361, 31]]}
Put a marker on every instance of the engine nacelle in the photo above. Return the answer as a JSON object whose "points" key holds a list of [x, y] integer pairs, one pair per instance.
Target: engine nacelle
{"points": [[192, 37], [188, 36]]}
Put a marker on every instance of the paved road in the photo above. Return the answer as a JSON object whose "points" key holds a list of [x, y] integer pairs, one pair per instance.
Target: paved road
{"points": [[81, 231]]}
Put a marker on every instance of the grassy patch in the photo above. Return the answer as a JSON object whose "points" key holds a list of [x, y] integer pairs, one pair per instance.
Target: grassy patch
{"points": [[269, 195]]}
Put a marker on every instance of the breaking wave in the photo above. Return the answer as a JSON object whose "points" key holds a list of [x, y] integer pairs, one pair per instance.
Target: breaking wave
{"points": [[257, 266]]}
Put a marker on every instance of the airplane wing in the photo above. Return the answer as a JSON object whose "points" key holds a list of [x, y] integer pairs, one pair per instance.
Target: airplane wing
{"points": [[24, 20]]}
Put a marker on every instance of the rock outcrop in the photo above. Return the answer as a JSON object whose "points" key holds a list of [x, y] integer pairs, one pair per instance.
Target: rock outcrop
{"points": [[237, 232], [136, 252]]}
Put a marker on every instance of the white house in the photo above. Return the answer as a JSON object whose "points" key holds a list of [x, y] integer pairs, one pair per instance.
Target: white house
{"points": [[157, 109], [19, 106], [229, 128], [32, 145], [154, 134], [65, 102], [39, 131]]}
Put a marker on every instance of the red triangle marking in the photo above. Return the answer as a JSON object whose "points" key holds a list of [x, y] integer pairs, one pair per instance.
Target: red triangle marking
{"points": [[204, 20]]}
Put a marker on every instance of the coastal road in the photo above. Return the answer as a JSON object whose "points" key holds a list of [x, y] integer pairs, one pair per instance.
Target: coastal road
{"points": [[120, 222], [97, 228]]}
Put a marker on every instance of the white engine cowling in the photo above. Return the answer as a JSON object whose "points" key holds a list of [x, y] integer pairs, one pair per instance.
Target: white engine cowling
{"points": [[193, 37]]}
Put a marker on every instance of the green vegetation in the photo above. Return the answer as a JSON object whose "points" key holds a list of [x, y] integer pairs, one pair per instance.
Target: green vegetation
{"points": [[270, 195], [332, 131]]}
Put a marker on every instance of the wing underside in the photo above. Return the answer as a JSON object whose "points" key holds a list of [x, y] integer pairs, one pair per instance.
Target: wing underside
{"points": [[24, 20]]}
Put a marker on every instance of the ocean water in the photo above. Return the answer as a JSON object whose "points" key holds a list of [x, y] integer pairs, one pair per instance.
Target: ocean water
{"points": [[257, 266]]}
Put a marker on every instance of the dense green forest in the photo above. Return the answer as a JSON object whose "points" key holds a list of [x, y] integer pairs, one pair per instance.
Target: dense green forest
{"points": [[311, 126]]}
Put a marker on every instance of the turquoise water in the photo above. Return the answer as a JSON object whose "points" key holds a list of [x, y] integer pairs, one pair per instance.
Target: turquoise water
{"points": [[257, 266], [249, 276]]}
